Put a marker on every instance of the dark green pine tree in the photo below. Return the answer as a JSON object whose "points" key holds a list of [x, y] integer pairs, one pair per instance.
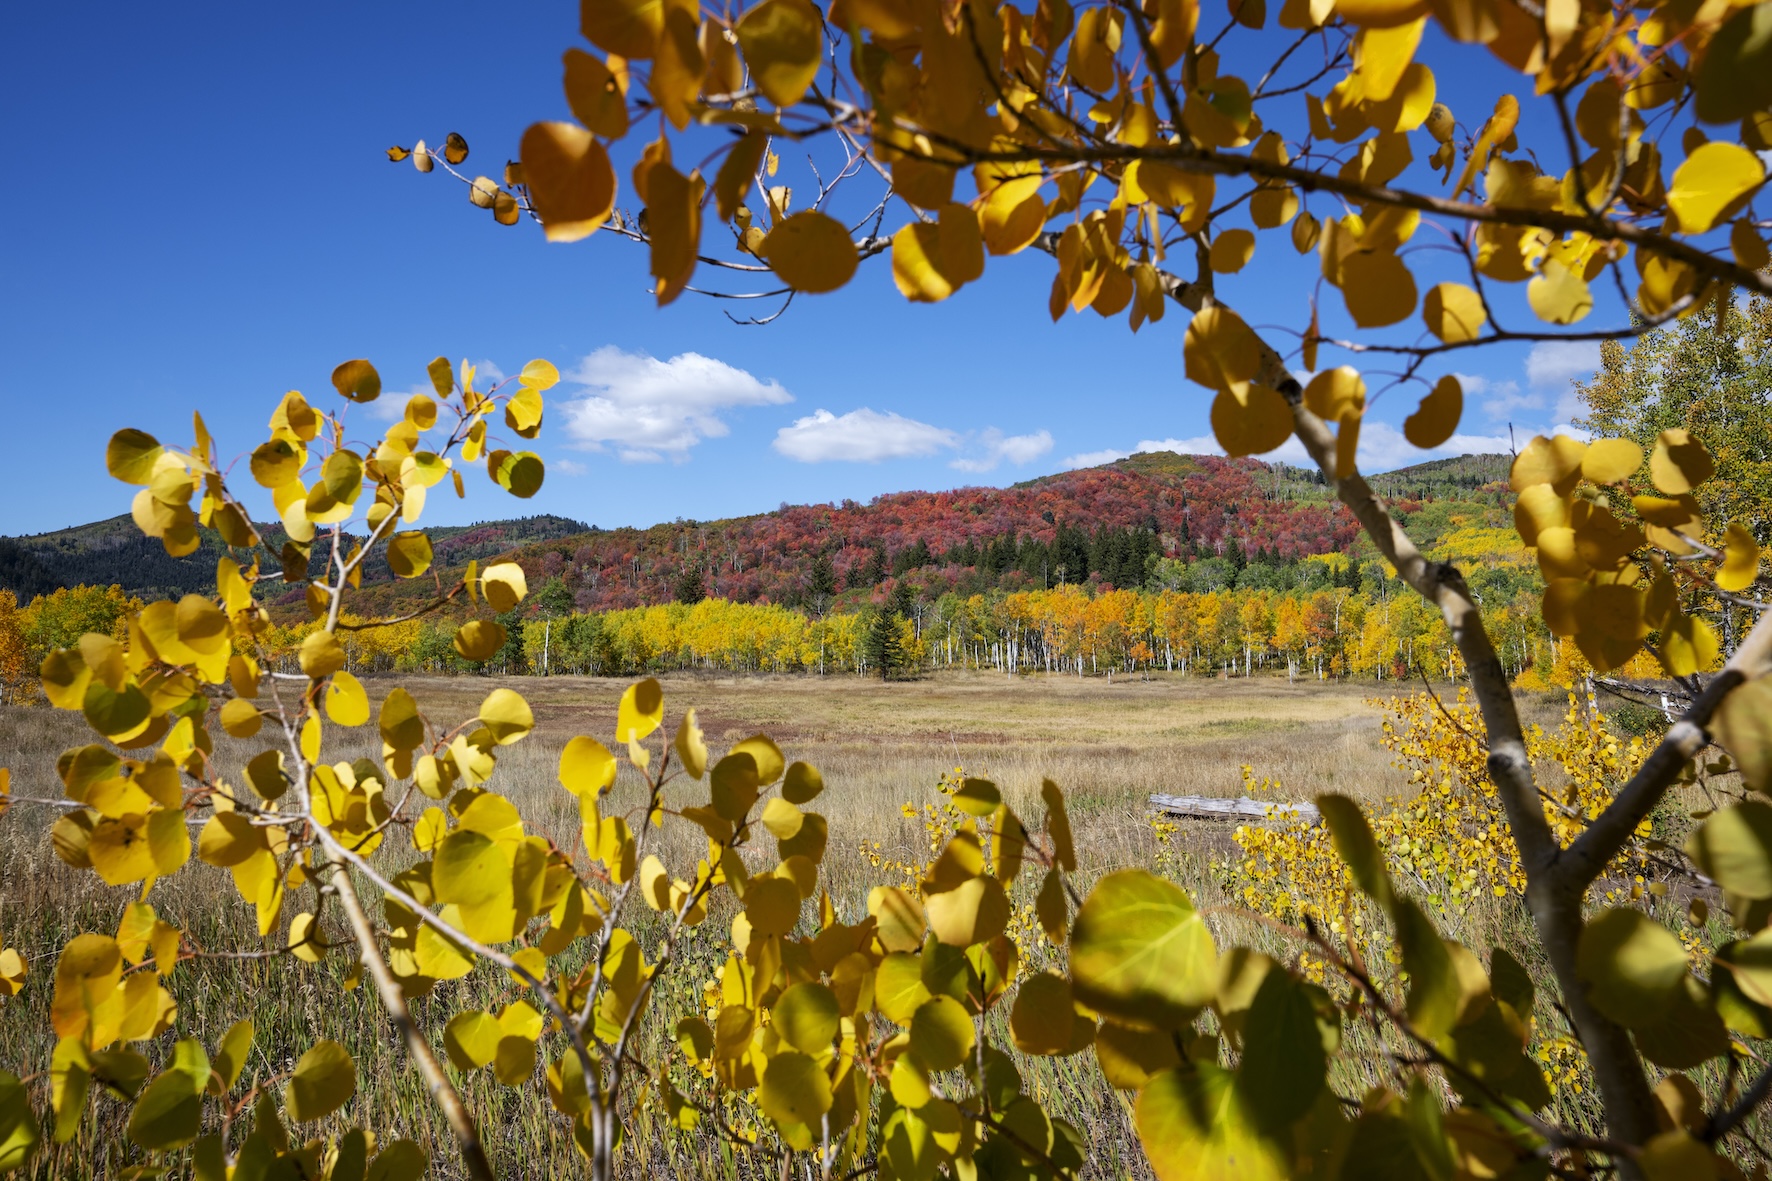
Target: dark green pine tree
{"points": [[691, 586], [882, 648]]}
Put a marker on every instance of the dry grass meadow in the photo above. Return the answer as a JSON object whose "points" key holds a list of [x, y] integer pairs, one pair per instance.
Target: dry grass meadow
{"points": [[1109, 745]]}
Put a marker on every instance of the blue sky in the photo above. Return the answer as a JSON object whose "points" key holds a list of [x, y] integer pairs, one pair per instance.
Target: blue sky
{"points": [[201, 217]]}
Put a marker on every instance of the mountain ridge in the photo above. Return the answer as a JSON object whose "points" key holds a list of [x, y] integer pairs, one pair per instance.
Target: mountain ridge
{"points": [[1102, 524]]}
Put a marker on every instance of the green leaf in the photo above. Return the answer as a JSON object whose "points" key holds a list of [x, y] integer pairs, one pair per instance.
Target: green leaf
{"points": [[1356, 846], [169, 1112], [1194, 1126], [1688, 1031], [1634, 967], [325, 1079], [941, 1033], [1435, 995], [1140, 952], [978, 797], [806, 1017], [19, 1136], [1283, 1065], [1734, 847], [795, 1089]]}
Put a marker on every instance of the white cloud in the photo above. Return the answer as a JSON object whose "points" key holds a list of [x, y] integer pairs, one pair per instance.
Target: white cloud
{"points": [[644, 409], [860, 436], [996, 447], [1199, 445], [1555, 362], [568, 467]]}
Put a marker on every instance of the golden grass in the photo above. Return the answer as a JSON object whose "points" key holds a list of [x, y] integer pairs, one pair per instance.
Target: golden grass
{"points": [[878, 745]]}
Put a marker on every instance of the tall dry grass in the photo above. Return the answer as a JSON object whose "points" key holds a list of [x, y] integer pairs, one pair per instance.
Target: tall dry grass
{"points": [[879, 746]]}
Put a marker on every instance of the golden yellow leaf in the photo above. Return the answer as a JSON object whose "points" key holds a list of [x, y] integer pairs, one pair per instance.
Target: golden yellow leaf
{"points": [[1231, 251], [1384, 53], [737, 173], [1378, 288], [629, 28], [586, 766], [479, 640], [1679, 462], [569, 177], [1435, 420], [1741, 559], [346, 702], [1335, 392], [1553, 460], [357, 380], [782, 41], [1219, 349], [507, 715], [673, 209], [811, 251], [321, 655], [1558, 294], [1250, 419], [931, 261], [1712, 183], [1611, 461]]}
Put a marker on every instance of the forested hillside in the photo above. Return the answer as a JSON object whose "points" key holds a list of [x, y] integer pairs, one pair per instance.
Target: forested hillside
{"points": [[1181, 522], [114, 552]]}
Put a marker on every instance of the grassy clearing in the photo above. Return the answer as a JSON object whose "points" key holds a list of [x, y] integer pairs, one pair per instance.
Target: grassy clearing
{"points": [[879, 746]]}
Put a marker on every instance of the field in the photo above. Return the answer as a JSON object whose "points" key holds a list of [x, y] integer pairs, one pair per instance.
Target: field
{"points": [[880, 746]]}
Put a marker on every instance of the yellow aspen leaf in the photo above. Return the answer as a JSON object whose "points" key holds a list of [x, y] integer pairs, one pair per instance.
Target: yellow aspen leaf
{"points": [[325, 1078], [586, 766], [240, 718], [1335, 392], [1380, 14], [1219, 350], [304, 937], [1435, 420], [772, 905], [737, 173], [1306, 231], [1271, 208], [794, 1090], [1251, 14], [931, 261], [655, 883], [1558, 294], [1384, 53], [941, 1034], [1378, 288], [1679, 462], [1013, 214], [1189, 194], [1141, 953], [1231, 251], [898, 918], [1743, 724], [782, 42], [626, 28], [1497, 130], [927, 184], [1250, 419], [479, 640], [1712, 183], [1748, 247], [975, 911], [810, 251], [472, 873], [1688, 645], [807, 1016], [321, 655], [677, 65], [347, 704], [569, 178], [1735, 79], [673, 208], [357, 380], [1555, 461], [1612, 625], [507, 715], [782, 819], [1741, 559], [504, 585], [277, 462], [132, 456], [1041, 1020], [1611, 461], [641, 710]]}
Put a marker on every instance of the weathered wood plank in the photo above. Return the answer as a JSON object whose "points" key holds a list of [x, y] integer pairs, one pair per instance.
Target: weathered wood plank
{"points": [[1223, 808]]}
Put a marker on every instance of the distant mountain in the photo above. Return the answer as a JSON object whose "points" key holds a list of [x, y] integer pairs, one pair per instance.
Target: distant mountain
{"points": [[114, 551], [1103, 525]]}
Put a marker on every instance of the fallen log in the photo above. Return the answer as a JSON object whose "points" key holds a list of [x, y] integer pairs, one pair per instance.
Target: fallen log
{"points": [[1221, 808]]}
